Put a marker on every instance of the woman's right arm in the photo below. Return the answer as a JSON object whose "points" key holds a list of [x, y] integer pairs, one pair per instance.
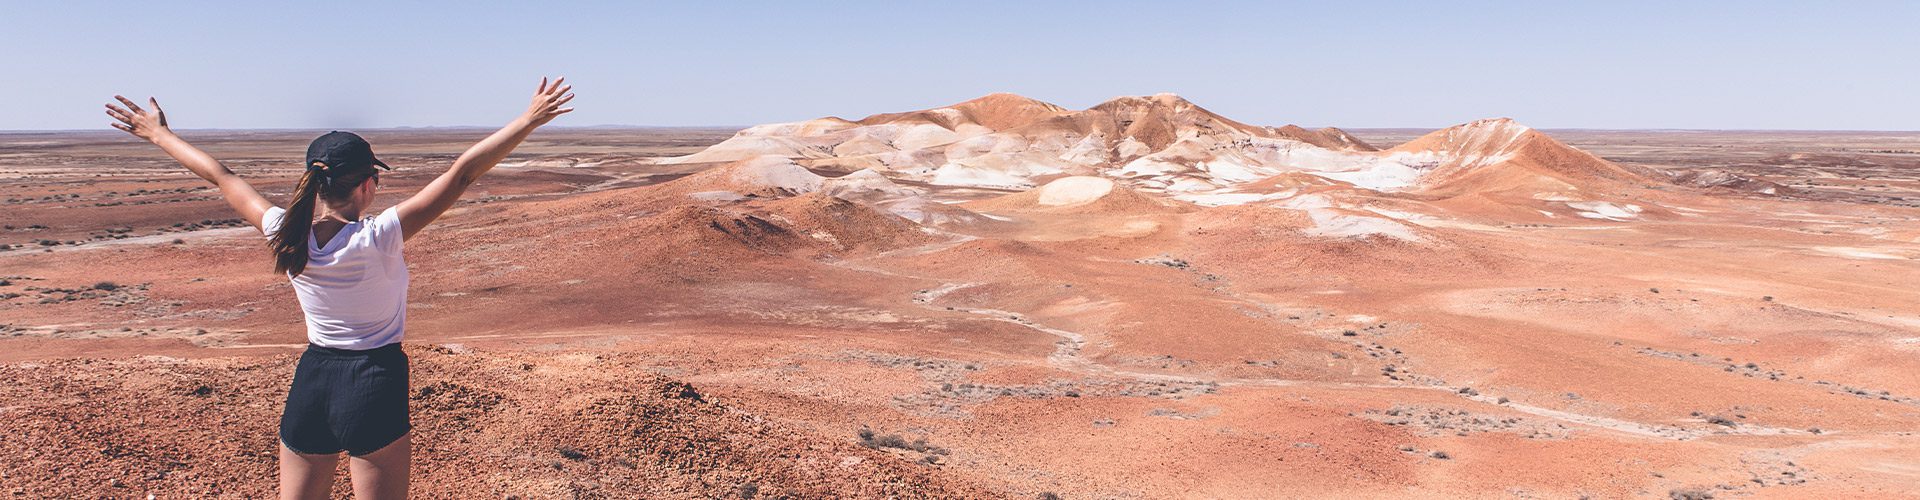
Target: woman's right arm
{"points": [[152, 126], [421, 209]]}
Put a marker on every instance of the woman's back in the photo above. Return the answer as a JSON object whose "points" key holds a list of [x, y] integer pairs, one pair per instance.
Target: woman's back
{"points": [[354, 288]]}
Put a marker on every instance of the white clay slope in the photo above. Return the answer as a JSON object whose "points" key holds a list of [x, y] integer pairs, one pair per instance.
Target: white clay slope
{"points": [[1159, 143], [1074, 190], [1167, 146]]}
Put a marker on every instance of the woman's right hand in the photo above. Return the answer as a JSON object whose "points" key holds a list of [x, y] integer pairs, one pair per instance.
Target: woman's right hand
{"points": [[149, 125], [547, 101]]}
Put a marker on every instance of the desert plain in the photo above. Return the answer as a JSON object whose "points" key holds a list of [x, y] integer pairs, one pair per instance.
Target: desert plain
{"points": [[1006, 298]]}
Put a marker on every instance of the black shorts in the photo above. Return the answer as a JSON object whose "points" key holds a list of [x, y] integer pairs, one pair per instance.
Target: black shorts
{"points": [[346, 400]]}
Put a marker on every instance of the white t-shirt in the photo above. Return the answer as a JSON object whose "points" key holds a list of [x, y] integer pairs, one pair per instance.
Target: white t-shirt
{"points": [[354, 289]]}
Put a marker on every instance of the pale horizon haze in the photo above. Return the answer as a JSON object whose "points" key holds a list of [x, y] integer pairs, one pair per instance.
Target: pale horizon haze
{"points": [[1617, 65]]}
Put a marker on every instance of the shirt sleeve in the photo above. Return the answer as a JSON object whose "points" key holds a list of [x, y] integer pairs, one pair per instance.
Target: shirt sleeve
{"points": [[270, 221], [387, 235]]}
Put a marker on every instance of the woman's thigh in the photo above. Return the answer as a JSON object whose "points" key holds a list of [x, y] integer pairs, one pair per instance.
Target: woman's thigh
{"points": [[383, 473], [306, 476]]}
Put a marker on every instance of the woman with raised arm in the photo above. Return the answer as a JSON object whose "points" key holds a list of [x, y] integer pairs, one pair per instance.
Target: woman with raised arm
{"points": [[349, 389]]}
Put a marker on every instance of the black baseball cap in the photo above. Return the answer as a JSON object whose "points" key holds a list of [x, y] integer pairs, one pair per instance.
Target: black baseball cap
{"points": [[341, 149]]}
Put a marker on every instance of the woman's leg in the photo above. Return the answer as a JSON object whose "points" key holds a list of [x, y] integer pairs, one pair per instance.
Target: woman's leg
{"points": [[305, 476], [383, 473]]}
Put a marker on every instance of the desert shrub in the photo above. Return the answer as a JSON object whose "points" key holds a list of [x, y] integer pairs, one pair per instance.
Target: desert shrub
{"points": [[1690, 493], [893, 441], [929, 453], [872, 440], [106, 285]]}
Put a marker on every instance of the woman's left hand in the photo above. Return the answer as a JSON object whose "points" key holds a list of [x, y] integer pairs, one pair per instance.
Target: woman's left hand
{"points": [[547, 102], [149, 125]]}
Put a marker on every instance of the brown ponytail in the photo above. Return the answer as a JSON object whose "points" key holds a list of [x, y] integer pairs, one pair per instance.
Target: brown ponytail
{"points": [[289, 244]]}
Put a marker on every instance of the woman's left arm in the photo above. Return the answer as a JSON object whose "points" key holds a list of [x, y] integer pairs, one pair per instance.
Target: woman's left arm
{"points": [[152, 126]]}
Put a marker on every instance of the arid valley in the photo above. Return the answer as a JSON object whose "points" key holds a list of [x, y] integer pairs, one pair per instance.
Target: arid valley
{"points": [[1007, 298]]}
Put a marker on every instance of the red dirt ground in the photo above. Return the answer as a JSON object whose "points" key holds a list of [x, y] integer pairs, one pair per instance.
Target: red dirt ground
{"points": [[581, 328]]}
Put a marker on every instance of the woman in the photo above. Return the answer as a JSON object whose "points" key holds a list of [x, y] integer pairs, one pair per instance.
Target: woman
{"points": [[349, 390]]}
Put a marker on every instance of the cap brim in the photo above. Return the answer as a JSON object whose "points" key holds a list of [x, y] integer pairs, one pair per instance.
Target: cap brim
{"points": [[382, 164]]}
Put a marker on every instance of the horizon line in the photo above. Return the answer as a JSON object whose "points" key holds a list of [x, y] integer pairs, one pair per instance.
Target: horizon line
{"points": [[742, 127]]}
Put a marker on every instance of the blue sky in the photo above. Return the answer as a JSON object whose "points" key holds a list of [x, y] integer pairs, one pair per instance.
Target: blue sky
{"points": [[1750, 64]]}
